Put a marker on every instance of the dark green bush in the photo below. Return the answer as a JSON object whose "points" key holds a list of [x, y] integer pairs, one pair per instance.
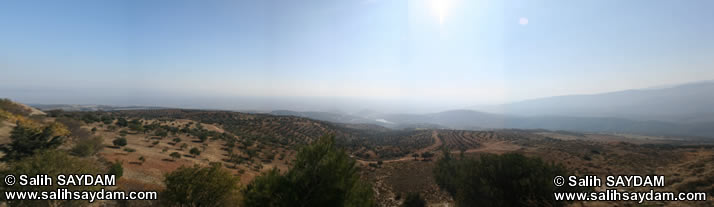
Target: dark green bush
{"points": [[200, 186], [88, 147], [500, 180], [322, 175], [414, 200]]}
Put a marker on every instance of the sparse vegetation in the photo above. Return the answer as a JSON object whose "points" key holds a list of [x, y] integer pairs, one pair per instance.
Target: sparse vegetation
{"points": [[252, 142]]}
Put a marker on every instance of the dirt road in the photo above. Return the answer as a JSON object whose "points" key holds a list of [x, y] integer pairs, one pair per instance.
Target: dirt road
{"points": [[435, 146]]}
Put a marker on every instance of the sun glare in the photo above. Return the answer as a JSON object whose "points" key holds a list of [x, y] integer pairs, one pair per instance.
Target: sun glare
{"points": [[440, 8]]}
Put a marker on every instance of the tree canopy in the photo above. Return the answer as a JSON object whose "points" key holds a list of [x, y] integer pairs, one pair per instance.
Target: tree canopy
{"points": [[322, 175], [28, 139], [500, 180], [200, 186]]}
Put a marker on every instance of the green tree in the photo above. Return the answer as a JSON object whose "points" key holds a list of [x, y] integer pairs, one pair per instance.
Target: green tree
{"points": [[107, 120], [194, 151], [117, 169], [177, 140], [161, 133], [414, 200], [119, 142], [200, 186], [322, 175], [500, 180], [175, 155], [137, 127], [203, 137], [88, 147], [26, 140], [121, 122], [51, 163]]}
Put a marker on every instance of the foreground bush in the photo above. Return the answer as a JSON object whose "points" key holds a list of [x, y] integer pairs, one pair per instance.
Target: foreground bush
{"points": [[51, 163], [500, 180], [414, 200], [28, 138], [200, 186], [322, 175]]}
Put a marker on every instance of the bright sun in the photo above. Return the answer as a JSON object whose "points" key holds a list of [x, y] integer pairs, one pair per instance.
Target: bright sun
{"points": [[440, 8]]}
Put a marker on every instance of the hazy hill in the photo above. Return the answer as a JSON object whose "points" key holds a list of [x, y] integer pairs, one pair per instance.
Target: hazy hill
{"points": [[80, 107], [683, 110], [325, 116], [686, 103]]}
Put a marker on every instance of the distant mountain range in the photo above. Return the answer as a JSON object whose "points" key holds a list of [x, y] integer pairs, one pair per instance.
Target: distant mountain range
{"points": [[688, 103], [76, 107], [683, 110]]}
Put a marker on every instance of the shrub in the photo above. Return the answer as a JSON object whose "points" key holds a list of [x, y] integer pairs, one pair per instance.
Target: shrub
{"points": [[194, 151], [414, 200], [116, 169], [200, 186], [161, 133], [500, 180], [120, 142], [175, 155], [202, 137], [51, 163], [322, 175], [12, 107], [28, 139], [427, 154], [88, 147]]}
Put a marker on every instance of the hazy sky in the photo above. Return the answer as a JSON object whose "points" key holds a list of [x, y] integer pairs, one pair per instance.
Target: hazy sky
{"points": [[453, 53]]}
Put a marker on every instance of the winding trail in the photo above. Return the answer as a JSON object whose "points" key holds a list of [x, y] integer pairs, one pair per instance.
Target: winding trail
{"points": [[436, 145]]}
